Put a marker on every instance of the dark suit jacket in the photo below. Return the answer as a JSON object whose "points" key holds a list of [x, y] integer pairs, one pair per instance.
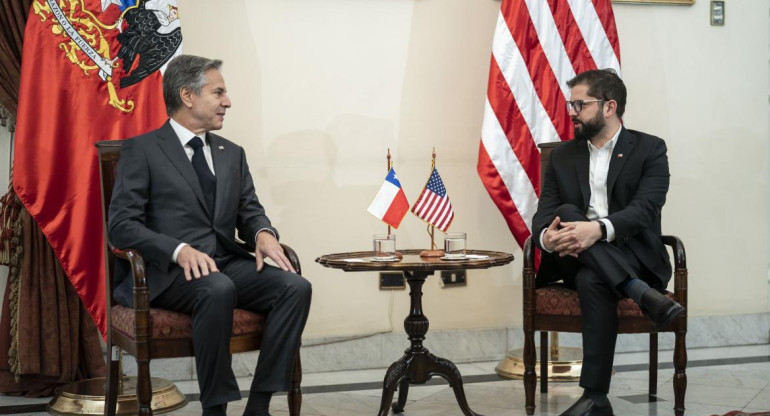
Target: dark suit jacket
{"points": [[637, 182], [157, 204]]}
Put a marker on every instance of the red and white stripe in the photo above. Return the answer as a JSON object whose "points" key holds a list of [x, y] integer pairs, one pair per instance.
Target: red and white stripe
{"points": [[538, 46], [434, 209]]}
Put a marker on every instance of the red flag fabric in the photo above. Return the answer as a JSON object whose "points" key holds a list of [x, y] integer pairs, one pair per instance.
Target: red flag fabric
{"points": [[538, 46], [390, 204], [74, 60]]}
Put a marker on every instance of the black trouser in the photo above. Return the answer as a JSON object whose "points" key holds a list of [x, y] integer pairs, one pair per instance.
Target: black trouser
{"points": [[596, 274], [284, 297]]}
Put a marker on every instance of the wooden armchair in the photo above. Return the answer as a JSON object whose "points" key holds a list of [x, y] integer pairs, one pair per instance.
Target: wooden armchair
{"points": [[147, 333], [557, 308]]}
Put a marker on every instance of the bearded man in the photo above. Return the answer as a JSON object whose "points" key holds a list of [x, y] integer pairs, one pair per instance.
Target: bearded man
{"points": [[598, 226]]}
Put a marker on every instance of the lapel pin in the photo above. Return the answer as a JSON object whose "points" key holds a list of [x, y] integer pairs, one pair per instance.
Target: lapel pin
{"points": [[620, 155], [221, 148]]}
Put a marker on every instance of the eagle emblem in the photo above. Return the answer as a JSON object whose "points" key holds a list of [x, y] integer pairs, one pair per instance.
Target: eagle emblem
{"points": [[153, 34]]}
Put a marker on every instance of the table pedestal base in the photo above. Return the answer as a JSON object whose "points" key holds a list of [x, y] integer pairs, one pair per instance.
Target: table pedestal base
{"points": [[417, 366]]}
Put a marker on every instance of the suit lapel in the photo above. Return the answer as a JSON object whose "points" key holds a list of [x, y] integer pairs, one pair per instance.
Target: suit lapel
{"points": [[582, 164], [619, 156], [219, 152], [172, 148]]}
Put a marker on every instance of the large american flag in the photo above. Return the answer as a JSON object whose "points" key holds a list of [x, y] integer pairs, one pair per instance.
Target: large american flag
{"points": [[433, 205], [538, 46]]}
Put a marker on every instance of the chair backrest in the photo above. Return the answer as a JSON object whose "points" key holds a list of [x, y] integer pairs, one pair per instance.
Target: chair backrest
{"points": [[545, 156], [109, 154]]}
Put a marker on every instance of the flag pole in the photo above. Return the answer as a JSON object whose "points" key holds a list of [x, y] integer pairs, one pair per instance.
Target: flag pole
{"points": [[433, 252], [389, 165], [432, 228]]}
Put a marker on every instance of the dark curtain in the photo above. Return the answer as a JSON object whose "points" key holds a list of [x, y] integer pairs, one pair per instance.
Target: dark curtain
{"points": [[47, 337]]}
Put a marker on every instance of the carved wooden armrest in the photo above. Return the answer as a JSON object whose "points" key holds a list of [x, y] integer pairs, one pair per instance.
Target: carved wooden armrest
{"points": [[680, 268], [528, 285], [287, 251], [293, 258], [142, 321], [529, 263], [137, 265]]}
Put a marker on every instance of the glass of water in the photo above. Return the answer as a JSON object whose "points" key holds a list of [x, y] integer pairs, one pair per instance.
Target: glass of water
{"points": [[454, 246], [384, 247]]}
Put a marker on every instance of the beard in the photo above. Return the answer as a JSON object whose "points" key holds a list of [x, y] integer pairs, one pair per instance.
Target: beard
{"points": [[589, 129]]}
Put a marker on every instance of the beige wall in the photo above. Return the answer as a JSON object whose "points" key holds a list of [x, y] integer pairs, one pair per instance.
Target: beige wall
{"points": [[321, 89], [705, 90]]}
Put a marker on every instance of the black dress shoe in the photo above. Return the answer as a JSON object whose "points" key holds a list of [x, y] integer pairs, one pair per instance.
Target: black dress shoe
{"points": [[659, 309], [587, 407], [216, 410]]}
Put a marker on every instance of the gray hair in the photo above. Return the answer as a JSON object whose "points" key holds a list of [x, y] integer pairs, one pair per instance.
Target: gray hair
{"points": [[185, 71]]}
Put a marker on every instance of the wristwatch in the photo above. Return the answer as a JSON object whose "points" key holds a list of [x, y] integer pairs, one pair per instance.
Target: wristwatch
{"points": [[603, 227]]}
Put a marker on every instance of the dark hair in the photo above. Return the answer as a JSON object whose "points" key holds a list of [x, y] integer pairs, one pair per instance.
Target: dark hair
{"points": [[185, 71], [604, 84]]}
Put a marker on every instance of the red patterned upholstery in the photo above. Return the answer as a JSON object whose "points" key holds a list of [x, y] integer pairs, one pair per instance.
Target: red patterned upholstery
{"points": [[174, 325], [561, 301]]}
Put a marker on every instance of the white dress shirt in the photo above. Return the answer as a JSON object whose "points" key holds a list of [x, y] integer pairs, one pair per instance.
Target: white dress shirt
{"points": [[184, 135], [599, 166]]}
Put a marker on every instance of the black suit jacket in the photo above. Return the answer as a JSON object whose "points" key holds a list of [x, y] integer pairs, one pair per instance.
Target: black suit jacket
{"points": [[157, 204], [637, 183]]}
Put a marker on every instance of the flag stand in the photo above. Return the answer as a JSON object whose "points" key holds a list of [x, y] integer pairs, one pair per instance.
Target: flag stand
{"points": [[389, 166], [87, 397], [564, 363], [433, 252]]}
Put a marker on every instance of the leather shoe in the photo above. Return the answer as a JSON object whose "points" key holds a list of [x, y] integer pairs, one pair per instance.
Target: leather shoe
{"points": [[660, 309], [587, 407], [216, 410]]}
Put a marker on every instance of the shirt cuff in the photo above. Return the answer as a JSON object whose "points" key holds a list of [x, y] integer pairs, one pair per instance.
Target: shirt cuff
{"points": [[264, 229], [610, 229], [176, 252], [542, 245]]}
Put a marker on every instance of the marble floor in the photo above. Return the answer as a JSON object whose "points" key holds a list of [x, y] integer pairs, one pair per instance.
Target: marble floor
{"points": [[719, 380]]}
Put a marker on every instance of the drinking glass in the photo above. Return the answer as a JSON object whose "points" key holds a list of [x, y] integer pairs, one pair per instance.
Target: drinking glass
{"points": [[384, 247], [454, 246]]}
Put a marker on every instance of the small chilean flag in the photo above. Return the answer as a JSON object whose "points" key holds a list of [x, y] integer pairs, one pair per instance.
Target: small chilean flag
{"points": [[390, 204]]}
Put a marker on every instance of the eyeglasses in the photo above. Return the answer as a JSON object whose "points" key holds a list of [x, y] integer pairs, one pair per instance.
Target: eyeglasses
{"points": [[577, 105]]}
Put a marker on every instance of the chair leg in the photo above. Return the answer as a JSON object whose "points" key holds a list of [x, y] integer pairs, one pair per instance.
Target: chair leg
{"points": [[653, 387], [143, 387], [111, 383], [295, 394], [680, 377], [530, 378], [544, 362]]}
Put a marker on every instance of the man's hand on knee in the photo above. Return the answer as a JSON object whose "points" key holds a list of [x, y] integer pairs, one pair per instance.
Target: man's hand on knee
{"points": [[195, 263], [268, 246]]}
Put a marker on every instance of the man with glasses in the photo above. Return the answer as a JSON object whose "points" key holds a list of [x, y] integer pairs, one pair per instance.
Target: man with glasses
{"points": [[598, 225]]}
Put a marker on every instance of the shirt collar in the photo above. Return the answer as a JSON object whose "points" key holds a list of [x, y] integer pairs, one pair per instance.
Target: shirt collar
{"points": [[183, 134], [610, 145]]}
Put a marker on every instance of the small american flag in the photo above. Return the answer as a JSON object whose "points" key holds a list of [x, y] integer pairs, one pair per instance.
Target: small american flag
{"points": [[433, 205]]}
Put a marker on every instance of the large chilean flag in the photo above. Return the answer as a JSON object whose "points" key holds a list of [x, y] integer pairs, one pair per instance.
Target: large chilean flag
{"points": [[74, 61]]}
